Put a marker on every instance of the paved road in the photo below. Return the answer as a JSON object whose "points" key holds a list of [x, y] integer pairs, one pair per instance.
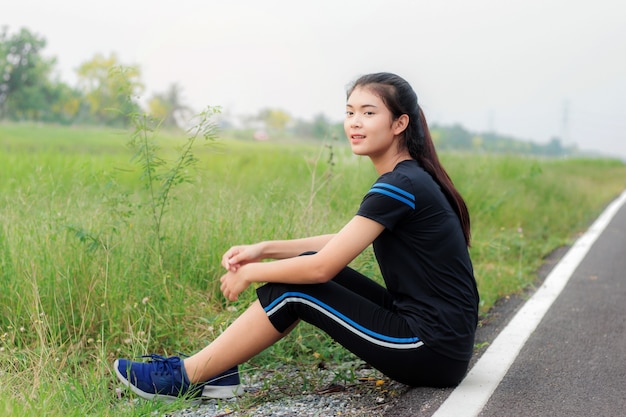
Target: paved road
{"points": [[572, 362]]}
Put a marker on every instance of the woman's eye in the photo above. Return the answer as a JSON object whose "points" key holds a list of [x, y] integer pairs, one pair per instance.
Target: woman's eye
{"points": [[369, 113], [349, 113]]}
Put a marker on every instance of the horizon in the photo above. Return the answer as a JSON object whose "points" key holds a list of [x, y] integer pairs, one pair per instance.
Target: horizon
{"points": [[532, 70]]}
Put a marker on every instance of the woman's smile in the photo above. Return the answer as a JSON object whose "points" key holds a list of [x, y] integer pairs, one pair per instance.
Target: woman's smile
{"points": [[356, 139]]}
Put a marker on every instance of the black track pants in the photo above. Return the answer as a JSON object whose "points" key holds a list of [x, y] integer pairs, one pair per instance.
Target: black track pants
{"points": [[358, 313]]}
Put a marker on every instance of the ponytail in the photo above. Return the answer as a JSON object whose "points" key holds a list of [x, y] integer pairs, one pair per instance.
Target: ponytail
{"points": [[429, 160]]}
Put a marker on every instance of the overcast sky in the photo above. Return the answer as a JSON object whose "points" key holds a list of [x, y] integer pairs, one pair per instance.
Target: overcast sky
{"points": [[533, 69]]}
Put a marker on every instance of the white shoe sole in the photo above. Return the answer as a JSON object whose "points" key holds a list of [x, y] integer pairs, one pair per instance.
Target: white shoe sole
{"points": [[221, 391]]}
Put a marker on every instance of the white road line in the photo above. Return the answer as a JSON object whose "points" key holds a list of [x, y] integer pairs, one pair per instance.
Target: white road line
{"points": [[469, 398]]}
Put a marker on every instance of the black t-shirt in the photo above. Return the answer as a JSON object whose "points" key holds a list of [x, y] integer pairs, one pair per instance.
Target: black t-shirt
{"points": [[424, 259]]}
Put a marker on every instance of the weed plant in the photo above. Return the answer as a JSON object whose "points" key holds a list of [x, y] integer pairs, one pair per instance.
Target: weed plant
{"points": [[89, 273]]}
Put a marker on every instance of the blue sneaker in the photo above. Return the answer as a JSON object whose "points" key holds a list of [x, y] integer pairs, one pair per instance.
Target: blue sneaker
{"points": [[166, 378]]}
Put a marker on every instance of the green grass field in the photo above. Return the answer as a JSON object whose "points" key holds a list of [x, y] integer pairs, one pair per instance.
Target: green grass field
{"points": [[85, 276]]}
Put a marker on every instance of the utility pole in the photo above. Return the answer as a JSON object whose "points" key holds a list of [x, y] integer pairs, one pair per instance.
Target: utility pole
{"points": [[565, 124]]}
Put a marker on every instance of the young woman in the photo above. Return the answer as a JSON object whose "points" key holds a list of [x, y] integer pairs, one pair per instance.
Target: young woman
{"points": [[418, 329]]}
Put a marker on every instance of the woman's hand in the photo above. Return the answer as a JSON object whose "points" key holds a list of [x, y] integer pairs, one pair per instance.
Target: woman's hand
{"points": [[233, 284], [234, 281], [237, 256]]}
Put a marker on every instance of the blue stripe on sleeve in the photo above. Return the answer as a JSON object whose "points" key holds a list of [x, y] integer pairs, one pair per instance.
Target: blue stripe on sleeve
{"points": [[396, 189], [382, 189]]}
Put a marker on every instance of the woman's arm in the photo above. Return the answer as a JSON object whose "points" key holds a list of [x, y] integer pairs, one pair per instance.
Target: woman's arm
{"points": [[239, 255], [337, 252], [282, 249]]}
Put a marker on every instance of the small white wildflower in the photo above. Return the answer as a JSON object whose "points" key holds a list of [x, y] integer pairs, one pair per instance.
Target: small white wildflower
{"points": [[232, 309], [90, 340], [128, 341], [145, 300], [22, 329]]}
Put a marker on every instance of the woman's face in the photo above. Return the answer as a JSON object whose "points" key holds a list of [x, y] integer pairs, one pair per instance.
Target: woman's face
{"points": [[369, 124]]}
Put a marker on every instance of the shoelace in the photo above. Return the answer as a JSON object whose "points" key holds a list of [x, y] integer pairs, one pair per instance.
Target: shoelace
{"points": [[163, 365], [159, 357]]}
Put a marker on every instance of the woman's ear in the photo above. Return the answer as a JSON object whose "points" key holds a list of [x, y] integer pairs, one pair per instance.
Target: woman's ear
{"points": [[400, 124]]}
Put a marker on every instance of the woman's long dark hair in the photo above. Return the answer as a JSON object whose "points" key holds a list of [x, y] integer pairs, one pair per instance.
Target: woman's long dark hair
{"points": [[399, 97]]}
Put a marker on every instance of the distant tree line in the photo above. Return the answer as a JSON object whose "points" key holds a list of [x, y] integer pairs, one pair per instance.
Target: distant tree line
{"points": [[107, 92], [456, 137]]}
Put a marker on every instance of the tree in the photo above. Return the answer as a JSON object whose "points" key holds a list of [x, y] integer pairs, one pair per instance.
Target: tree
{"points": [[477, 143], [110, 89], [554, 147], [168, 106], [64, 103], [274, 119], [321, 126], [24, 73]]}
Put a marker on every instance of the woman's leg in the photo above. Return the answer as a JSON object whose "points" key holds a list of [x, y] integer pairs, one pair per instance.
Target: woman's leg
{"points": [[252, 332], [352, 309], [364, 322], [248, 335], [364, 286]]}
